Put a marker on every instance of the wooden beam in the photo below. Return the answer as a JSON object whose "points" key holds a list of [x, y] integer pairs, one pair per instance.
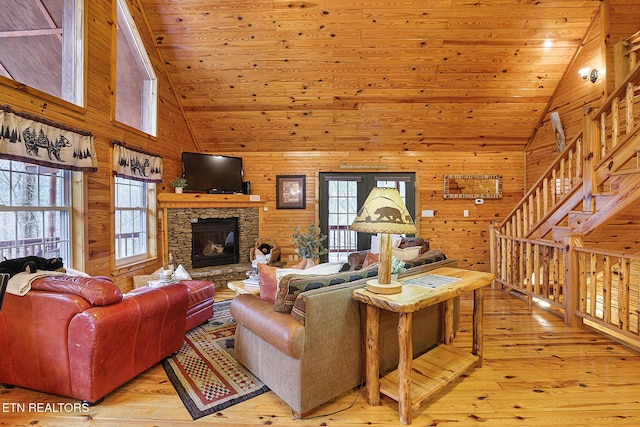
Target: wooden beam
{"points": [[31, 33], [47, 17]]}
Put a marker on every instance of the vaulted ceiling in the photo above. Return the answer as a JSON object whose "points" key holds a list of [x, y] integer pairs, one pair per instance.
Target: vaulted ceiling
{"points": [[366, 75], [388, 75]]}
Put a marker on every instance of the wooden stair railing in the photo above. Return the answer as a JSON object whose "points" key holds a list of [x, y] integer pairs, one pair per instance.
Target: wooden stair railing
{"points": [[552, 189], [538, 249]]}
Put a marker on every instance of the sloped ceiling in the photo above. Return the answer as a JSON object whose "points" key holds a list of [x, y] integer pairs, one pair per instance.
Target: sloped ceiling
{"points": [[393, 74], [279, 75]]}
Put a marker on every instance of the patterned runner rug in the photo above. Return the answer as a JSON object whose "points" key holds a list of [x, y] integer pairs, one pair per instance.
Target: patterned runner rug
{"points": [[205, 373]]}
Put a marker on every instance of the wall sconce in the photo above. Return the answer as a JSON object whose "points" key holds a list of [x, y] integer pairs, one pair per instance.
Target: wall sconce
{"points": [[587, 74]]}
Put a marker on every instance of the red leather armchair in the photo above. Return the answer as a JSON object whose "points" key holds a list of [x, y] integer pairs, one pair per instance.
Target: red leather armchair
{"points": [[81, 338]]}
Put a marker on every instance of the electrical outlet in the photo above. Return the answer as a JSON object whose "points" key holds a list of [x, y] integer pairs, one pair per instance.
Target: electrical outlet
{"points": [[466, 212], [428, 213]]}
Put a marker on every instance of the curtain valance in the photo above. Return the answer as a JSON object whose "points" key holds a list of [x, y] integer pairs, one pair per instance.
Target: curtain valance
{"points": [[136, 164], [31, 139]]}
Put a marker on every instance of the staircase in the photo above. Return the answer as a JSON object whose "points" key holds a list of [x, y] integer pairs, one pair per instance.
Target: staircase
{"points": [[539, 250]]}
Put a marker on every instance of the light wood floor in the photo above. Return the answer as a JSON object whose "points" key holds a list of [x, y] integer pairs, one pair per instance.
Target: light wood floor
{"points": [[536, 372]]}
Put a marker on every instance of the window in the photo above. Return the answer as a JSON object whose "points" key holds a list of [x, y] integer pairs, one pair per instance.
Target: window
{"points": [[136, 83], [134, 215], [35, 211], [41, 45]]}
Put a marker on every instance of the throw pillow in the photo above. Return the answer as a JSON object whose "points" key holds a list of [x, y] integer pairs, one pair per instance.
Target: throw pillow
{"points": [[268, 281], [406, 254], [371, 258], [292, 285], [396, 239]]}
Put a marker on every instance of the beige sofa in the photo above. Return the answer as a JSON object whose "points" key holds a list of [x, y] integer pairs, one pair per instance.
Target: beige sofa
{"points": [[309, 360]]}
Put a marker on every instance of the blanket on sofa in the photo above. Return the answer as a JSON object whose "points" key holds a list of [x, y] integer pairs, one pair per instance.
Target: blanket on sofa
{"points": [[20, 284]]}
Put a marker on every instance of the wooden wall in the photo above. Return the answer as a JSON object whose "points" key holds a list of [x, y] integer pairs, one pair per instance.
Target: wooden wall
{"points": [[618, 19], [463, 238], [96, 118]]}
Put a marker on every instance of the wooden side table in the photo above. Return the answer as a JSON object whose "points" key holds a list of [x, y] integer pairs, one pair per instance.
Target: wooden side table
{"points": [[436, 368]]}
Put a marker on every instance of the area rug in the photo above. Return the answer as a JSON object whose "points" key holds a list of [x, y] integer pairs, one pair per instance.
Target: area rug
{"points": [[204, 371]]}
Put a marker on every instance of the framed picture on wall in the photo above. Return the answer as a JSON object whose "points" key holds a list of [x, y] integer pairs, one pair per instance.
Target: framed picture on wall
{"points": [[290, 192]]}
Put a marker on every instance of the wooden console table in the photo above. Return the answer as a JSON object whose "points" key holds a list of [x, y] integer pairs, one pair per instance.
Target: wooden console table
{"points": [[436, 368]]}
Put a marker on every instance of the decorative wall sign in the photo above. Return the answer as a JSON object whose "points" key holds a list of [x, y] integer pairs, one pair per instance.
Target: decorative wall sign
{"points": [[136, 164], [472, 186], [31, 139], [290, 192]]}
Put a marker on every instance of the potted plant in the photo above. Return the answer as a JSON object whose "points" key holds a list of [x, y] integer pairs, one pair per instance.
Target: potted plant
{"points": [[309, 245], [178, 184], [397, 266]]}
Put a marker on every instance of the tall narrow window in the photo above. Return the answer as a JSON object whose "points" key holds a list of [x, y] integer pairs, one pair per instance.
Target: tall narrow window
{"points": [[35, 211], [41, 45], [136, 83], [134, 210]]}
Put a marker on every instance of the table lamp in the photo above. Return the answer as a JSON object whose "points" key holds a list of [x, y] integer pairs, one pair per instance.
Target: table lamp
{"points": [[384, 212]]}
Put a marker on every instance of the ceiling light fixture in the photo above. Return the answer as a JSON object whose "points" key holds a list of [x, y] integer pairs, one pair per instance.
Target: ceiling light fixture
{"points": [[588, 74]]}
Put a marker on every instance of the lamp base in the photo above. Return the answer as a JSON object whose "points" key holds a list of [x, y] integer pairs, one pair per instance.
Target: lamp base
{"points": [[384, 288]]}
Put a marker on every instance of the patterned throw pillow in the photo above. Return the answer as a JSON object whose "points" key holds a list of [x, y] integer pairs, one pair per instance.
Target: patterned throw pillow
{"points": [[269, 279], [291, 286]]}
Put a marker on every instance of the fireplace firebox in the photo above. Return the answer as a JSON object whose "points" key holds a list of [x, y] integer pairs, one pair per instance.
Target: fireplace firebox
{"points": [[214, 242]]}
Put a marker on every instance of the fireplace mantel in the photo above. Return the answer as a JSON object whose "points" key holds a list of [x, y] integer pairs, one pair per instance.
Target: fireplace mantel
{"points": [[168, 201], [199, 200]]}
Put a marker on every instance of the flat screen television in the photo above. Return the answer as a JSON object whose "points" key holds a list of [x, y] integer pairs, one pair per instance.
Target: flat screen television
{"points": [[209, 173]]}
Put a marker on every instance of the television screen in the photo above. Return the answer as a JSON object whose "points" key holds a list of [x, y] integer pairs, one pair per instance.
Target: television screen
{"points": [[209, 173]]}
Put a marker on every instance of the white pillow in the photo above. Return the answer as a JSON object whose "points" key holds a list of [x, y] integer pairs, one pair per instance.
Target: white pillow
{"points": [[396, 239], [181, 274], [406, 254], [320, 269]]}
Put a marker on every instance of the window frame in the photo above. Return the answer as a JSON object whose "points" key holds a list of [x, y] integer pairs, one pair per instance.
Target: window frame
{"points": [[151, 253], [73, 61], [75, 206], [149, 92]]}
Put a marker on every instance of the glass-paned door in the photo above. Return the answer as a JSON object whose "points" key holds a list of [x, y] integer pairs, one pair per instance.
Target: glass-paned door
{"points": [[341, 195]]}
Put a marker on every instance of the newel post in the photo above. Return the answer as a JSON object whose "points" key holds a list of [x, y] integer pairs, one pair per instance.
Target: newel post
{"points": [[571, 285], [493, 247]]}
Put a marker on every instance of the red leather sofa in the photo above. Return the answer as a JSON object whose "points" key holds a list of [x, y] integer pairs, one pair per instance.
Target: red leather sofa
{"points": [[81, 338]]}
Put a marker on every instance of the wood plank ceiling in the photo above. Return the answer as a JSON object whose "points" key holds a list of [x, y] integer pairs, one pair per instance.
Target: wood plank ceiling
{"points": [[388, 75], [366, 75]]}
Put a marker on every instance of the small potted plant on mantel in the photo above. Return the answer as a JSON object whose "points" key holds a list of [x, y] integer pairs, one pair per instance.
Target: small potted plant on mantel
{"points": [[178, 184], [309, 245]]}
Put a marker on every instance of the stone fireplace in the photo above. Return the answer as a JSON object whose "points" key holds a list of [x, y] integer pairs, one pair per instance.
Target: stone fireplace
{"points": [[180, 236], [182, 211]]}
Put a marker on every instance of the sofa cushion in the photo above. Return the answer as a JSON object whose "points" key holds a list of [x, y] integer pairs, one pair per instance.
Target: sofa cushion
{"points": [[269, 280], [292, 285], [98, 291]]}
